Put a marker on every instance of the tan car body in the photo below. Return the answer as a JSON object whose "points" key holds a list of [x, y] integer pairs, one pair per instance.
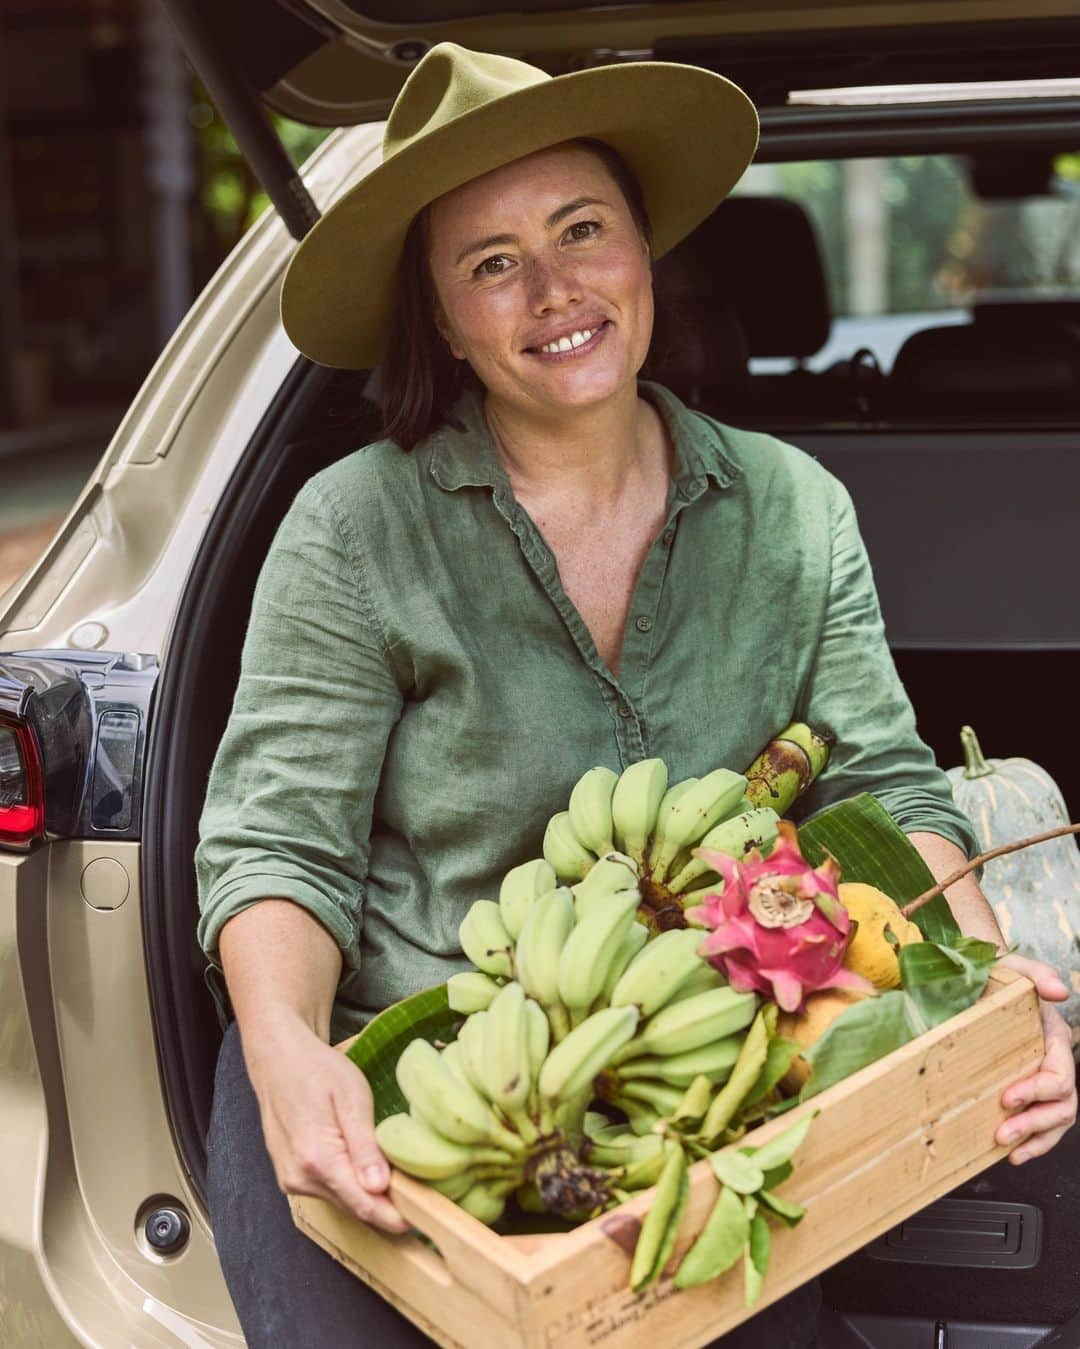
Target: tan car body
{"points": [[86, 1140]]}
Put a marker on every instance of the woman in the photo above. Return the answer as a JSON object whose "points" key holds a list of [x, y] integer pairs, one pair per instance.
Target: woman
{"points": [[546, 565]]}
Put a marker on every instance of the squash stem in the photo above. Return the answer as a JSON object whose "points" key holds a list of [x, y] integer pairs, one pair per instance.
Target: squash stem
{"points": [[975, 766]]}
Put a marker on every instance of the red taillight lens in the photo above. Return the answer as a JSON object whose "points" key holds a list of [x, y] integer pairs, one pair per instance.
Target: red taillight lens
{"points": [[22, 790]]}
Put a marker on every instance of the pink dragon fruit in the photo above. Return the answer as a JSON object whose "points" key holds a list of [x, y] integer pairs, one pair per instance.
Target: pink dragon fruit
{"points": [[777, 926]]}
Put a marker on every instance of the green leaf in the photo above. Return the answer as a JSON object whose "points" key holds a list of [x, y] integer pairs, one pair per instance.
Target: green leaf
{"points": [[871, 847], [719, 1244], [778, 1060], [944, 980], [785, 1209], [861, 1034], [779, 1151], [776, 1175], [425, 1015], [737, 1170], [756, 1257]]}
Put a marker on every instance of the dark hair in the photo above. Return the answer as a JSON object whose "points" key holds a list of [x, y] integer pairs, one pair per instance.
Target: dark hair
{"points": [[419, 378]]}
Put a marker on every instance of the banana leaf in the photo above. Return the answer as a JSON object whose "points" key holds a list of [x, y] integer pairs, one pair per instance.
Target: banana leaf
{"points": [[871, 847], [425, 1015]]}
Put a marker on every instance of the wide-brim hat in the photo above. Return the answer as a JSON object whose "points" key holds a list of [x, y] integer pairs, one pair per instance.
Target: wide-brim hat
{"points": [[687, 133]]}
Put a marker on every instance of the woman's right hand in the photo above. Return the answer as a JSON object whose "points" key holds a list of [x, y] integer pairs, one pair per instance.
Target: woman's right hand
{"points": [[318, 1121]]}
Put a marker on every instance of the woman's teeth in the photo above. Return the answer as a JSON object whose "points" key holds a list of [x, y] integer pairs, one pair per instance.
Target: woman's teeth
{"points": [[568, 343]]}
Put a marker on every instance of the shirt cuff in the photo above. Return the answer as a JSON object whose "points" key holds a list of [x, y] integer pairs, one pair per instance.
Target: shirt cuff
{"points": [[236, 893], [915, 812]]}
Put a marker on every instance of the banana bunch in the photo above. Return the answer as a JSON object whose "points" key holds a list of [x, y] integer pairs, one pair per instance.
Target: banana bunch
{"points": [[637, 820], [596, 1046]]}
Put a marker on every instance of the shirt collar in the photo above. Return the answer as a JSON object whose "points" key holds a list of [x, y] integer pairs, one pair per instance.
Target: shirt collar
{"points": [[468, 458]]}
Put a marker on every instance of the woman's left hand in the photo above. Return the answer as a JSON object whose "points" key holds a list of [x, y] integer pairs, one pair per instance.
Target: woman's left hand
{"points": [[1050, 1092]]}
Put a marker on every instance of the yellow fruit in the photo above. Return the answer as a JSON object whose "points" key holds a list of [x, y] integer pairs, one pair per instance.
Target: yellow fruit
{"points": [[869, 952], [809, 1026]]}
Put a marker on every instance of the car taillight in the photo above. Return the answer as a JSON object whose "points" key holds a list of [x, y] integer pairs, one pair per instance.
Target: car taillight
{"points": [[22, 787]]}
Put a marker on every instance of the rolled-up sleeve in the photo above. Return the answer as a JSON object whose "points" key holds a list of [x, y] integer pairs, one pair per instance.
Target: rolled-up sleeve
{"points": [[289, 801], [854, 692]]}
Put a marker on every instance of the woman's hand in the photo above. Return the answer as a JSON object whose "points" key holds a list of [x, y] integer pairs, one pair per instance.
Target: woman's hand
{"points": [[317, 1119], [1051, 1091]]}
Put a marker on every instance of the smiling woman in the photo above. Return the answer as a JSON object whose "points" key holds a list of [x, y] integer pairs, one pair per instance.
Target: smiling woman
{"points": [[421, 377], [551, 563]]}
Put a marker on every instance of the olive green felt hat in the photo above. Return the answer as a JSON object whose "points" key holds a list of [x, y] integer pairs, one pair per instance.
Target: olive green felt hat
{"points": [[688, 135]]}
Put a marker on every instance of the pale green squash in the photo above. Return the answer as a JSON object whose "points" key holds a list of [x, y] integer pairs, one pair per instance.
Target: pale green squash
{"points": [[1035, 892]]}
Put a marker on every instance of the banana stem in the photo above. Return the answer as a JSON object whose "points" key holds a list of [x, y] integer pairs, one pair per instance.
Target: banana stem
{"points": [[916, 904]]}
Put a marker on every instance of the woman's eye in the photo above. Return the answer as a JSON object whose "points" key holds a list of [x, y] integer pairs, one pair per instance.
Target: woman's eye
{"points": [[589, 225], [481, 267]]}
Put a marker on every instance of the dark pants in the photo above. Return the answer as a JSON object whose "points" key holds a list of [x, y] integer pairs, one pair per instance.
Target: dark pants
{"points": [[289, 1294]]}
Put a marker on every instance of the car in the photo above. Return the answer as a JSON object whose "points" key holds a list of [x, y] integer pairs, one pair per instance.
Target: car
{"points": [[906, 308]]}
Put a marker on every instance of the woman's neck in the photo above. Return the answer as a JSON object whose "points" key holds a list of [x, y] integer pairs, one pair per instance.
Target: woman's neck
{"points": [[595, 454]]}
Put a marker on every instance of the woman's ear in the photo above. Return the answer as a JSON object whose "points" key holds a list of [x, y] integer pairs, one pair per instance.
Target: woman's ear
{"points": [[442, 327]]}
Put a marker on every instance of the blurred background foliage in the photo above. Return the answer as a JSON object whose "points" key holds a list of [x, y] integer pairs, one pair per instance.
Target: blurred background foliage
{"points": [[230, 197]]}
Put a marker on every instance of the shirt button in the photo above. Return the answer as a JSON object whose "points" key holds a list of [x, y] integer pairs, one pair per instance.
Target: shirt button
{"points": [[643, 624], [624, 710], [668, 537]]}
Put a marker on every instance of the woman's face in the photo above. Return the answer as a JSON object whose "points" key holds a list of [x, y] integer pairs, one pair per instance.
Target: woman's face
{"points": [[539, 249]]}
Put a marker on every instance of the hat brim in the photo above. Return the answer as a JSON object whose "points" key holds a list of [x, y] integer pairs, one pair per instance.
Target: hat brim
{"points": [[687, 133]]}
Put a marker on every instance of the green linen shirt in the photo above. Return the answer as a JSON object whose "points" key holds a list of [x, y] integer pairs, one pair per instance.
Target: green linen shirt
{"points": [[418, 695]]}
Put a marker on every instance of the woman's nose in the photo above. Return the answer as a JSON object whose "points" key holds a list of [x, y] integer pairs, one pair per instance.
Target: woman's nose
{"points": [[552, 283]]}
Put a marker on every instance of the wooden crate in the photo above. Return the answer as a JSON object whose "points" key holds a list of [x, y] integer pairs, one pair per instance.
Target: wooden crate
{"points": [[888, 1141]]}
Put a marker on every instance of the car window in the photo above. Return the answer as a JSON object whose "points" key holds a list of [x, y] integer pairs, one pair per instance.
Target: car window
{"points": [[908, 242]]}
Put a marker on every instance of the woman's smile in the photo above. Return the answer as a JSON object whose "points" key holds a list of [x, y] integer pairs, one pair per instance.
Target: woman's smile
{"points": [[569, 350]]}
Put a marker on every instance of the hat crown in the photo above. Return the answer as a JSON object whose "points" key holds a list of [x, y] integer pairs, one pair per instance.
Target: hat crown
{"points": [[448, 82]]}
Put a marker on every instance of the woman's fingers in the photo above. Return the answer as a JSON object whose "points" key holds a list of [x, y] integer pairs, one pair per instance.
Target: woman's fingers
{"points": [[1048, 983], [355, 1116], [1050, 1093]]}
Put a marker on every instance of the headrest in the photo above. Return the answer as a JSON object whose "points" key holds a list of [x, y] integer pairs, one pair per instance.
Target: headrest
{"points": [[762, 255], [971, 367]]}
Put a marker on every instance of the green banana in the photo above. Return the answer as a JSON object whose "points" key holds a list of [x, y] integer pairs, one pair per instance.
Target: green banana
{"points": [[453, 1187], [692, 815], [547, 927], [636, 937], [663, 1099], [521, 887], [452, 1057], [472, 991], [787, 766], [486, 1200], [715, 1060], [590, 810], [641, 1118], [447, 1102], [485, 940], [634, 805], [539, 1036], [613, 872], [470, 1056], [653, 976], [693, 1023], [507, 1066], [706, 976], [735, 837], [570, 860], [572, 1065], [647, 1170], [591, 949], [415, 1146], [656, 1240]]}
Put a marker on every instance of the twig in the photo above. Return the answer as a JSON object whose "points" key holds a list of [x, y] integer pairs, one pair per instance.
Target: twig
{"points": [[928, 895]]}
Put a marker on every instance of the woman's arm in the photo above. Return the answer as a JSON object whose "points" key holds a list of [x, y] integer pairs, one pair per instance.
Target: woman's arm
{"points": [[282, 968], [1044, 1102], [969, 905]]}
